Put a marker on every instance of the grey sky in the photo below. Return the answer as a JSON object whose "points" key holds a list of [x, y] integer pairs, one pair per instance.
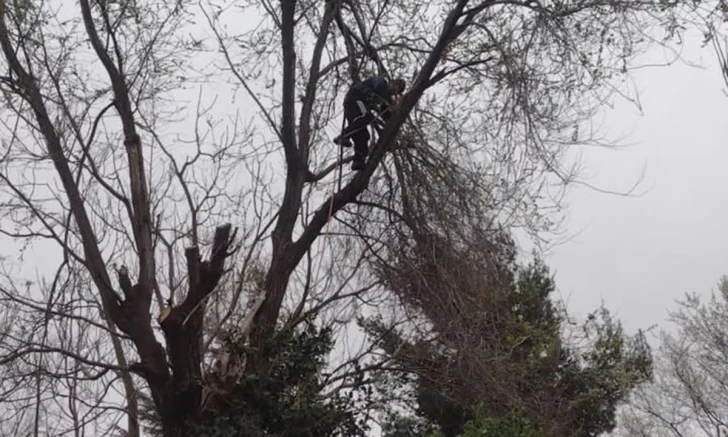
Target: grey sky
{"points": [[638, 255]]}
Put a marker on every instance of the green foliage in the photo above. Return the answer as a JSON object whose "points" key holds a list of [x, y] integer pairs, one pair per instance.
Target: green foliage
{"points": [[398, 426], [24, 11], [287, 401], [529, 366], [605, 375], [513, 425], [148, 415]]}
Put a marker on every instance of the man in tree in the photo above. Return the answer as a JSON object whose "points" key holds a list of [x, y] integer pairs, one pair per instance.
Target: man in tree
{"points": [[373, 94]]}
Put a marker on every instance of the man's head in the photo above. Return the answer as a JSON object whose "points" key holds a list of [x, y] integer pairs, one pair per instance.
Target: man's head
{"points": [[396, 86]]}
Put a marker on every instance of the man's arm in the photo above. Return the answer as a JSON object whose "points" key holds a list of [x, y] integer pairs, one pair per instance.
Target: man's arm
{"points": [[386, 112], [387, 108]]}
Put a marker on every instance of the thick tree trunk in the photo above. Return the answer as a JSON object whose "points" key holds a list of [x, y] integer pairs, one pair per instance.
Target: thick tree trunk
{"points": [[179, 414], [179, 398], [264, 321]]}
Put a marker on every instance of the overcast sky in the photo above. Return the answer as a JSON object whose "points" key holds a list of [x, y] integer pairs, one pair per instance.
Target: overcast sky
{"points": [[638, 255]]}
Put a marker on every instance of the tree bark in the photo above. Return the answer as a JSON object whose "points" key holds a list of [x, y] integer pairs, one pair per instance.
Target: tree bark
{"points": [[180, 397]]}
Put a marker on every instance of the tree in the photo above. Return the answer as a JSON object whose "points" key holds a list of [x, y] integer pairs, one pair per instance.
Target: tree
{"points": [[481, 333], [687, 396], [111, 174], [494, 350]]}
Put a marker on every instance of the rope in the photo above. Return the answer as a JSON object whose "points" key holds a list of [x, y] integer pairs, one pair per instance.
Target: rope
{"points": [[341, 156], [340, 172]]}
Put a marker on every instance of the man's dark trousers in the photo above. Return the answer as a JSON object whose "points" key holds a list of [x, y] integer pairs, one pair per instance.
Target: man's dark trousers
{"points": [[358, 118]]}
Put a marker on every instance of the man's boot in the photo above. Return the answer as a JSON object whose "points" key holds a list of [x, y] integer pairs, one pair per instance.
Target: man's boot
{"points": [[343, 142]]}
